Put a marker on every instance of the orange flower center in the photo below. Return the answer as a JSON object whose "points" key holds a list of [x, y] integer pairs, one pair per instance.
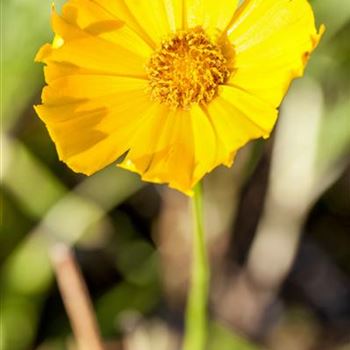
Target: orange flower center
{"points": [[187, 69]]}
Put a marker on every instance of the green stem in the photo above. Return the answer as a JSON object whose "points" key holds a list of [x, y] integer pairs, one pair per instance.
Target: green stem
{"points": [[196, 312]]}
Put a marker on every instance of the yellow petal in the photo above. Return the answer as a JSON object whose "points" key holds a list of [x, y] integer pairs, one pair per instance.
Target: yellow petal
{"points": [[149, 139], [84, 13], [152, 16], [237, 118], [119, 9], [57, 70], [272, 41], [85, 87], [179, 153], [92, 130], [91, 52], [163, 155], [190, 144], [174, 165], [205, 144], [152, 20], [210, 14], [176, 14], [96, 20]]}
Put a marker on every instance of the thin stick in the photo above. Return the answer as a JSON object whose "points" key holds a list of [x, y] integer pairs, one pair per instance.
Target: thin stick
{"points": [[196, 313], [76, 298]]}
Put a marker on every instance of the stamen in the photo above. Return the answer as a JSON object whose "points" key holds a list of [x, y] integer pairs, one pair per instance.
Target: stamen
{"points": [[187, 69]]}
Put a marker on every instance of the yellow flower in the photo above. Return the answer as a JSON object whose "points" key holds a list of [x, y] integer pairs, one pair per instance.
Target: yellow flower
{"points": [[175, 87]]}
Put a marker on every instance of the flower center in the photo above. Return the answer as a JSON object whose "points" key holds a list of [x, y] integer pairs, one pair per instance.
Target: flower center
{"points": [[187, 69]]}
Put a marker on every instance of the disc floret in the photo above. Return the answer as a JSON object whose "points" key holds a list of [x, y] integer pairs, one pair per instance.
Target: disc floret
{"points": [[187, 69]]}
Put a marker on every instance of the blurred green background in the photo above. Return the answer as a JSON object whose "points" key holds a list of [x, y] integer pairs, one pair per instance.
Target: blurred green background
{"points": [[278, 222]]}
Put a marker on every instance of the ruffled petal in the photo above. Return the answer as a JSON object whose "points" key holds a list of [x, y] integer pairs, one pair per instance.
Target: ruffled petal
{"points": [[120, 10], [272, 42], [178, 153], [91, 126], [152, 20], [96, 20], [163, 154], [82, 49]]}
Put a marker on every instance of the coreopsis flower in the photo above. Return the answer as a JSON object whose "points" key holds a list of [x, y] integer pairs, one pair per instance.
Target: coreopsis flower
{"points": [[169, 88]]}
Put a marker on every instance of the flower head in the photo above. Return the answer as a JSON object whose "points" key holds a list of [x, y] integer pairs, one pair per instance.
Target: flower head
{"points": [[174, 87]]}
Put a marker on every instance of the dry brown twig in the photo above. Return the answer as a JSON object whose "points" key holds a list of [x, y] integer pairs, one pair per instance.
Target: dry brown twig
{"points": [[76, 298]]}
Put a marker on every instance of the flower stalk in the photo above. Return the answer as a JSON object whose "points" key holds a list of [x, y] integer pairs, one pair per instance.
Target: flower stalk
{"points": [[196, 312]]}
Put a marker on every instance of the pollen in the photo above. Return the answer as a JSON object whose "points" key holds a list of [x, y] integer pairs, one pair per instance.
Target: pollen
{"points": [[187, 69]]}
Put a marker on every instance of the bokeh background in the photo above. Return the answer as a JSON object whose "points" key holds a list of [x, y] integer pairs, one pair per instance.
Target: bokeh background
{"points": [[278, 222]]}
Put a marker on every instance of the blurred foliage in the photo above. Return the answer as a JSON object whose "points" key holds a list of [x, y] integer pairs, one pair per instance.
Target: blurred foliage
{"points": [[112, 218], [224, 339]]}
